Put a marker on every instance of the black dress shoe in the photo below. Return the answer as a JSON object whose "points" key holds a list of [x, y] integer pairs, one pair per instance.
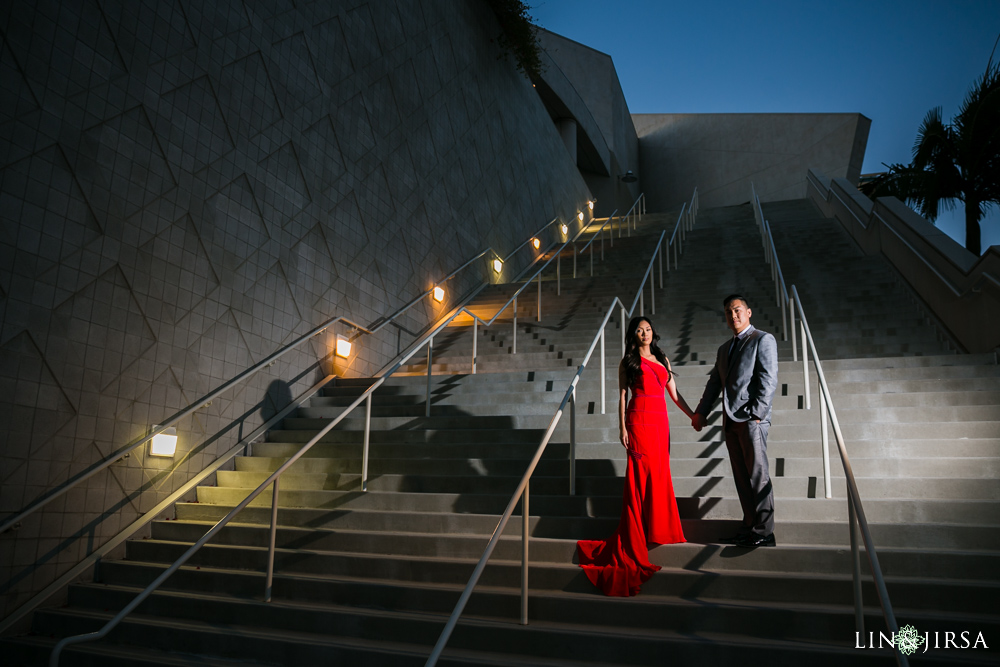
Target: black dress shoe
{"points": [[733, 539], [751, 541]]}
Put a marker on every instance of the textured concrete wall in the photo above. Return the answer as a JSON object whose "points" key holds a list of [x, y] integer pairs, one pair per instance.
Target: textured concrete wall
{"points": [[595, 80], [962, 290], [185, 188], [722, 153]]}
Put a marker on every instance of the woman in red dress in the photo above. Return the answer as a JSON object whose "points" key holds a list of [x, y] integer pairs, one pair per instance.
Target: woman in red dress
{"points": [[620, 564]]}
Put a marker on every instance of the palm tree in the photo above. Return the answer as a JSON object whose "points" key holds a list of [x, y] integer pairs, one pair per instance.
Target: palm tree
{"points": [[957, 161]]}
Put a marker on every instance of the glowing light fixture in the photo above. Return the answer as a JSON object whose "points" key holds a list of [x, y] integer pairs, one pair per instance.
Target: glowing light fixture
{"points": [[536, 243], [564, 227], [439, 294], [343, 347], [163, 444], [497, 265], [590, 204], [580, 216]]}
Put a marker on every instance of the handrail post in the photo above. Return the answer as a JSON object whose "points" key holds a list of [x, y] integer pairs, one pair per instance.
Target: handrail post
{"points": [[859, 612], [574, 259], [591, 260], [475, 342], [675, 254], [784, 320], [642, 304], [430, 359], [652, 293], [572, 443], [559, 273], [659, 254], [825, 439], [539, 296], [602, 244], [603, 370], [514, 343], [271, 540], [805, 367], [623, 332], [525, 518], [364, 452], [791, 322]]}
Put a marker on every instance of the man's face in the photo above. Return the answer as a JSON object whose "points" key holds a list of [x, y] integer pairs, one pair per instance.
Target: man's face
{"points": [[737, 316]]}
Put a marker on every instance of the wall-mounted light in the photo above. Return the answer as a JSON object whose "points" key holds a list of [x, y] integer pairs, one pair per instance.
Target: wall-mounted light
{"points": [[579, 216], [536, 244], [163, 444], [590, 204], [628, 177], [343, 346], [497, 265], [564, 227], [439, 294]]}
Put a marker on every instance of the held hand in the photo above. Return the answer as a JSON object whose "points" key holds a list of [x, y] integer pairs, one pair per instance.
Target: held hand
{"points": [[698, 421]]}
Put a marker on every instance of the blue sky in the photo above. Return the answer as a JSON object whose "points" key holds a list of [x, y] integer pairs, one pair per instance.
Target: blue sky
{"points": [[891, 60]]}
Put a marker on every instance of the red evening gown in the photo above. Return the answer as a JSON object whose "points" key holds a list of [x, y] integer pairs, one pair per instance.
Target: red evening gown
{"points": [[620, 565]]}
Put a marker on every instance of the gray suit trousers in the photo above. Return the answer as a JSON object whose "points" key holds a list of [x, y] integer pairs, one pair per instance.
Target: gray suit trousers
{"points": [[747, 444]]}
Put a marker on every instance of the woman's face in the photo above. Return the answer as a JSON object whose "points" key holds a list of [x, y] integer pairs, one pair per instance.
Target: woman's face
{"points": [[644, 333]]}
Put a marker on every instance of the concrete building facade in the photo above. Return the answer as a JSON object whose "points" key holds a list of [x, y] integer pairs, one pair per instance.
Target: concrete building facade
{"points": [[186, 187], [722, 153]]}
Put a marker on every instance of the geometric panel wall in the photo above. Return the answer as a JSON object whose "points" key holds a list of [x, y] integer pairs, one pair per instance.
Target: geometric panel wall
{"points": [[187, 186]]}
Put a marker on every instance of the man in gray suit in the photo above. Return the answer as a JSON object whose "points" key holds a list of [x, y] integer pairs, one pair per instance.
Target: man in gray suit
{"points": [[746, 372]]}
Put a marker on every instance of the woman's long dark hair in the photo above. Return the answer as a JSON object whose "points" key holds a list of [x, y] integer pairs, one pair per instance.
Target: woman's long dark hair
{"points": [[633, 362]]}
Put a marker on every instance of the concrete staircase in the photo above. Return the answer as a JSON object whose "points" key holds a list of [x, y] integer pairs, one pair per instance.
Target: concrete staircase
{"points": [[370, 577]]}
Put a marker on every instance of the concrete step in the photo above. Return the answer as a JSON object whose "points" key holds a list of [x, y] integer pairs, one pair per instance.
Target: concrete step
{"points": [[414, 557], [812, 508], [935, 466], [482, 640], [940, 537], [720, 484]]}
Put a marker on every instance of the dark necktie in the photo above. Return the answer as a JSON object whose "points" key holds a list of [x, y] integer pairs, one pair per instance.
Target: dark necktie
{"points": [[732, 352]]}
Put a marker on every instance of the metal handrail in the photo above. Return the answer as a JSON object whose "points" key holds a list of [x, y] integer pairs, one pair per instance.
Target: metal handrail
{"points": [[856, 509], [476, 320], [771, 257], [96, 468], [265, 363], [366, 396], [639, 295], [528, 240], [830, 191], [160, 507], [677, 227], [272, 479], [598, 233], [630, 219], [522, 492], [428, 292], [600, 229]]}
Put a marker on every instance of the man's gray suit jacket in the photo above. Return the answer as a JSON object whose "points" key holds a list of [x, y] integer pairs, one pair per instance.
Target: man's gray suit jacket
{"points": [[749, 385]]}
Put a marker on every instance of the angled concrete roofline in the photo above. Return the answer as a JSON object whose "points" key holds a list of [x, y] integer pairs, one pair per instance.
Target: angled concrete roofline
{"points": [[562, 100], [753, 113]]}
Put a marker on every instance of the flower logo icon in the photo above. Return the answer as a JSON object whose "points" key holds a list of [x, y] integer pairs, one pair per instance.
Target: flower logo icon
{"points": [[908, 640]]}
